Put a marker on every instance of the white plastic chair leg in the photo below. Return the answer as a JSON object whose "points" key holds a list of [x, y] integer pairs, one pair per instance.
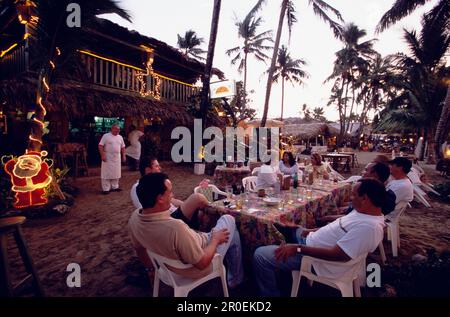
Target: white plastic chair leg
{"points": [[295, 283], [382, 253], [346, 290], [156, 285], [223, 279], [394, 241], [356, 288], [180, 292]]}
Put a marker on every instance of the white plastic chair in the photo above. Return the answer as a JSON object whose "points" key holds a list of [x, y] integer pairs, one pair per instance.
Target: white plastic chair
{"points": [[211, 192], [183, 285], [255, 171], [349, 283], [393, 229], [333, 173], [420, 196], [414, 177], [351, 179], [250, 183]]}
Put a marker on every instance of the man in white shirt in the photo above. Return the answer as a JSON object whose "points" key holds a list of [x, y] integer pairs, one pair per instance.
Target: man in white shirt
{"points": [[268, 177], [400, 183], [112, 150], [187, 210], [344, 239]]}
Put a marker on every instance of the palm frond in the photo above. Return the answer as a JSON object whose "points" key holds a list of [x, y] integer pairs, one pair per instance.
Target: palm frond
{"points": [[318, 10], [399, 10], [291, 18]]}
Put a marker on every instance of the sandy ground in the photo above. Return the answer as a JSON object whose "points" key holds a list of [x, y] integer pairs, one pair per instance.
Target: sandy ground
{"points": [[94, 235]]}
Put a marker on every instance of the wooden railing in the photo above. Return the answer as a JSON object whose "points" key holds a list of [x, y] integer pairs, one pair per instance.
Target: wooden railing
{"points": [[125, 77], [14, 62]]}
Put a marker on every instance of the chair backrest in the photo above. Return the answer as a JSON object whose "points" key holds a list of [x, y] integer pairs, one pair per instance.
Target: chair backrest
{"points": [[249, 182], [162, 263], [255, 171], [333, 172], [400, 207], [209, 191]]}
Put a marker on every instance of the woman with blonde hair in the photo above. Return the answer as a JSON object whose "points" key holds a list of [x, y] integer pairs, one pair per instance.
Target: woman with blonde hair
{"points": [[319, 168]]}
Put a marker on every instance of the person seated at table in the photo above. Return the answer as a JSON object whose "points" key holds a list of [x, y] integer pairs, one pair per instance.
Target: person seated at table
{"points": [[346, 238], [188, 210], [268, 177], [152, 228], [376, 171], [399, 182], [287, 165], [319, 168]]}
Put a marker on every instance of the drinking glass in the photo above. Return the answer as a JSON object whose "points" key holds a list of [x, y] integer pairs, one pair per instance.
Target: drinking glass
{"points": [[229, 191]]}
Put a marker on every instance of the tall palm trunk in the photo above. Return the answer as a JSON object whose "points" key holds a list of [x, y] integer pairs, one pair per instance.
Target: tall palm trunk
{"points": [[245, 72], [282, 98], [442, 127], [274, 60], [37, 129], [209, 61]]}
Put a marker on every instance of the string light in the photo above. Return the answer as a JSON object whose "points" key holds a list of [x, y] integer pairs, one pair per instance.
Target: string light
{"points": [[45, 84], [34, 139], [58, 51], [110, 60], [7, 50], [52, 64], [42, 106], [26, 35]]}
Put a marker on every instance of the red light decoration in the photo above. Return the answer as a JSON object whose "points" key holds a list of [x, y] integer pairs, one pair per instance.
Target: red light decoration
{"points": [[29, 176]]}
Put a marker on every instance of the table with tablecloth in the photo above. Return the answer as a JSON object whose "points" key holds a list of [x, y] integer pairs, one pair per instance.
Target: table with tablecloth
{"points": [[226, 176], [255, 219], [340, 191]]}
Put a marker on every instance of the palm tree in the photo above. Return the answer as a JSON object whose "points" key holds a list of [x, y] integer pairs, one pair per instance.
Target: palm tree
{"points": [[209, 60], [189, 44], [352, 62], [403, 8], [320, 8], [56, 41], [422, 89], [252, 43], [288, 69], [441, 11], [319, 114]]}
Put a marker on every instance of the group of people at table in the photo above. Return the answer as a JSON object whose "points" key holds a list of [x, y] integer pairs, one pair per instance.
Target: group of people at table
{"points": [[169, 227]]}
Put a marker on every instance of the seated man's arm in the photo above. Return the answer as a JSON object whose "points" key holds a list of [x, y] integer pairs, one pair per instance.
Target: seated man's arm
{"points": [[218, 237], [329, 254], [141, 253]]}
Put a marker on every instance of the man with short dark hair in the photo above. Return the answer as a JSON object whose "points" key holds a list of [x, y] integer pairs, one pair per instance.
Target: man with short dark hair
{"points": [[344, 239], [154, 229], [400, 183], [187, 210]]}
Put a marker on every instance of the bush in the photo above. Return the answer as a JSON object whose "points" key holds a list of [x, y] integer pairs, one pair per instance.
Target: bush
{"points": [[428, 278]]}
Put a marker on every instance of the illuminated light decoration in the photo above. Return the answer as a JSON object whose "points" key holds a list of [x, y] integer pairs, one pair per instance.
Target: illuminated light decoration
{"points": [[52, 64], [201, 154], [34, 139], [58, 51], [22, 20], [26, 35], [45, 84], [30, 176], [40, 122], [110, 60], [7, 50], [141, 73], [42, 106]]}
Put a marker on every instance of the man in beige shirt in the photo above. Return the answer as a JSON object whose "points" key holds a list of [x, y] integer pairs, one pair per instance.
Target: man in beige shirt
{"points": [[154, 229]]}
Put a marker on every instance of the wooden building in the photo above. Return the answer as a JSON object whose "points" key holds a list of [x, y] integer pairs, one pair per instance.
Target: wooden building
{"points": [[116, 75]]}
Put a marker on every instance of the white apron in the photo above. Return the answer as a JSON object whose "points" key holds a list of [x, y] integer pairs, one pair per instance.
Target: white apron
{"points": [[111, 169]]}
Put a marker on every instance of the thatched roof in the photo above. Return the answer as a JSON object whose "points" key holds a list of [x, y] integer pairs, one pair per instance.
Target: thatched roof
{"points": [[270, 123], [79, 100], [310, 130]]}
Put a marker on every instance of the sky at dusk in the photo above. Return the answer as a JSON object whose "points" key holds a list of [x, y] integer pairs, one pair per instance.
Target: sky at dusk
{"points": [[312, 40]]}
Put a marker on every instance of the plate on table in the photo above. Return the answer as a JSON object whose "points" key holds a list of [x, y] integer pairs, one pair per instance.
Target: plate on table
{"points": [[271, 201]]}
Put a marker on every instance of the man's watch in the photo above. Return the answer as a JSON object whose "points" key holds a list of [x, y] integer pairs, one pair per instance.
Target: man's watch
{"points": [[299, 250]]}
